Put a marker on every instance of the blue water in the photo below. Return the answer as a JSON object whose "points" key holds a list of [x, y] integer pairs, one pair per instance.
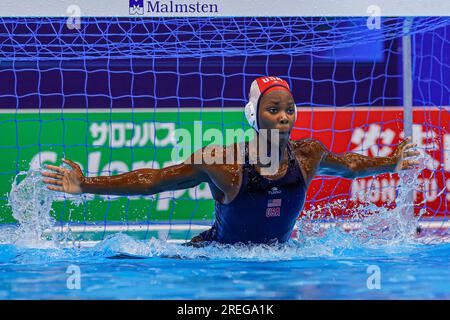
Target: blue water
{"points": [[381, 259], [172, 271]]}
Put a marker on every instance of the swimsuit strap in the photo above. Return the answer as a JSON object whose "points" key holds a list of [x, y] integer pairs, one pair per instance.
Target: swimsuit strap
{"points": [[246, 156], [291, 154], [293, 160]]}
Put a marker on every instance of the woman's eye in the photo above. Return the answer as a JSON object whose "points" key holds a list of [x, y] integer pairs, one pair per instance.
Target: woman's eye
{"points": [[273, 110], [291, 110]]}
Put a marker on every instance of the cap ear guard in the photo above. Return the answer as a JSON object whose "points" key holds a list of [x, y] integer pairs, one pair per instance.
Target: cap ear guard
{"points": [[251, 114]]}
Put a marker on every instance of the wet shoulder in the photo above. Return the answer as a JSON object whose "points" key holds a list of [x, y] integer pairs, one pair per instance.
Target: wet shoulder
{"points": [[223, 163], [226, 174], [309, 153], [309, 147]]}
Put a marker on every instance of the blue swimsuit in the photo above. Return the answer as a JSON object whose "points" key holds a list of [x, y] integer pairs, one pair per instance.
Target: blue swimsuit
{"points": [[264, 210]]}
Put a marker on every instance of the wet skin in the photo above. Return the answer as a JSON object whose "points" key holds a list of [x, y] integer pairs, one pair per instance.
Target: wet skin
{"points": [[276, 111]]}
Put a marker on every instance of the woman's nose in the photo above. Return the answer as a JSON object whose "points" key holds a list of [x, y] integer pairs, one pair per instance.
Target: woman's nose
{"points": [[284, 118]]}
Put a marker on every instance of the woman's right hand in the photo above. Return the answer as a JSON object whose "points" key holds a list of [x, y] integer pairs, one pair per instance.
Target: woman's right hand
{"points": [[64, 180]]}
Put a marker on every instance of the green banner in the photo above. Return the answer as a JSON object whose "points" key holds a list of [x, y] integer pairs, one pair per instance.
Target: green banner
{"points": [[107, 143]]}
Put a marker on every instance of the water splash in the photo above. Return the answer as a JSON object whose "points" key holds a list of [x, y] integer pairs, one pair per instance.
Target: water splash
{"points": [[368, 225], [31, 204], [120, 244]]}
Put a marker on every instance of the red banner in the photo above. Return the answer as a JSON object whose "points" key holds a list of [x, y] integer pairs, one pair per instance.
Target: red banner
{"points": [[376, 132]]}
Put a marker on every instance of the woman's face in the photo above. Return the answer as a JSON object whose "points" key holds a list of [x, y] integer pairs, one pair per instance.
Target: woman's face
{"points": [[277, 111]]}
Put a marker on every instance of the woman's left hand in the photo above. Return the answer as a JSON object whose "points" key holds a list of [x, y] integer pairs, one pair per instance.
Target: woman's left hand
{"points": [[405, 154]]}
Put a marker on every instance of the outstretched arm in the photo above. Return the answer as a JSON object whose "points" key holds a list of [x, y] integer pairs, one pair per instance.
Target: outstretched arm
{"points": [[137, 182], [352, 165]]}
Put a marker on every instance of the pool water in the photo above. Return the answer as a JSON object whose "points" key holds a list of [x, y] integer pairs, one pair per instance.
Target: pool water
{"points": [[382, 258], [121, 267]]}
